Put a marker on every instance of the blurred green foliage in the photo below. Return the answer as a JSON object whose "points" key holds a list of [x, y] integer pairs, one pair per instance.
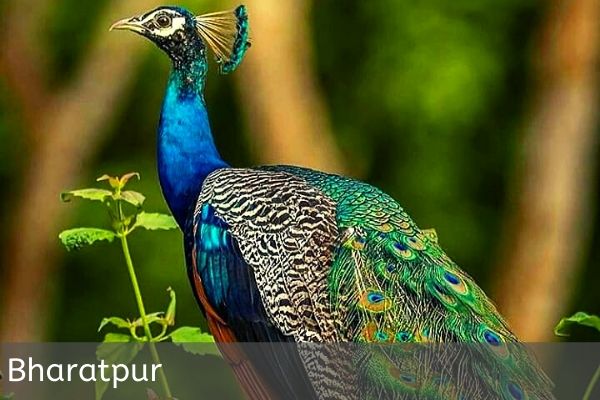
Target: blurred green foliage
{"points": [[434, 110], [427, 101]]}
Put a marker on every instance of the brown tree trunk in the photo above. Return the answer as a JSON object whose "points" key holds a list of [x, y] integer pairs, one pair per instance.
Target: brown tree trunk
{"points": [[284, 108], [546, 233], [22, 60], [66, 132]]}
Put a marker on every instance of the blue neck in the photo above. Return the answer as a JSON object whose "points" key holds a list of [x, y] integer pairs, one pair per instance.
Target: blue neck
{"points": [[186, 150]]}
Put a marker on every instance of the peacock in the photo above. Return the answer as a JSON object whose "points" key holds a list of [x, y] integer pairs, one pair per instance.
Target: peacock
{"points": [[285, 254]]}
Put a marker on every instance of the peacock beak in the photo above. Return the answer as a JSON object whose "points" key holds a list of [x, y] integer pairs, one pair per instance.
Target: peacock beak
{"points": [[133, 24]]}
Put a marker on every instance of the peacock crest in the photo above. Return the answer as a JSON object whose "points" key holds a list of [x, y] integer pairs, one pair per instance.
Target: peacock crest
{"points": [[227, 35]]}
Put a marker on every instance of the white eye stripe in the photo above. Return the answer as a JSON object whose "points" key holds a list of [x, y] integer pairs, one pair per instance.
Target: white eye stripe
{"points": [[177, 23], [156, 13]]}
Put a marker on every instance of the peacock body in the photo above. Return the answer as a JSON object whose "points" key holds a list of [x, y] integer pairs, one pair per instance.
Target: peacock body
{"points": [[288, 254]]}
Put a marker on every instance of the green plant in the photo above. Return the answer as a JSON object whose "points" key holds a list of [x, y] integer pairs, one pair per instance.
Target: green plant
{"points": [[579, 318], [125, 208], [583, 319]]}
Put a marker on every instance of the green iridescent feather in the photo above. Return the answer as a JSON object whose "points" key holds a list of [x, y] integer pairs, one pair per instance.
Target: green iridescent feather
{"points": [[391, 282]]}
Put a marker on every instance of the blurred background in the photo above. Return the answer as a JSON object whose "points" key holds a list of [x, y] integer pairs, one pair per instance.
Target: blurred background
{"points": [[480, 117]]}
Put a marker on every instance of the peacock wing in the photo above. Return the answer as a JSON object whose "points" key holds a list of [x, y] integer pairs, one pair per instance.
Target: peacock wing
{"points": [[286, 233], [264, 243], [226, 288]]}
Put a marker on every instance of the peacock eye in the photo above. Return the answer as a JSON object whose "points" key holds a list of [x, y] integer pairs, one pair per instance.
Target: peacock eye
{"points": [[163, 21]]}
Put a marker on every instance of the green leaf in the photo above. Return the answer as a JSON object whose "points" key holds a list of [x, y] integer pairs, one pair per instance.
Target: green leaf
{"points": [[579, 318], [150, 318], [116, 321], [88, 194], [170, 315], [117, 348], [116, 182], [194, 341], [132, 197], [191, 334], [9, 396], [113, 181], [76, 238], [125, 178], [116, 338], [154, 221]]}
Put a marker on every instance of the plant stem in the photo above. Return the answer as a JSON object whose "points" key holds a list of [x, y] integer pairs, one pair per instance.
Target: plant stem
{"points": [[590, 388], [142, 309]]}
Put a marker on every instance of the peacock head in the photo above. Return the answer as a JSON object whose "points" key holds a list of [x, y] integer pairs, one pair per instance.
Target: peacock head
{"points": [[185, 37]]}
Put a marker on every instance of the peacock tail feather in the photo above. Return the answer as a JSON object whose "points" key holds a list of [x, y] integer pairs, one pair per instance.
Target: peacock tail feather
{"points": [[390, 282]]}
